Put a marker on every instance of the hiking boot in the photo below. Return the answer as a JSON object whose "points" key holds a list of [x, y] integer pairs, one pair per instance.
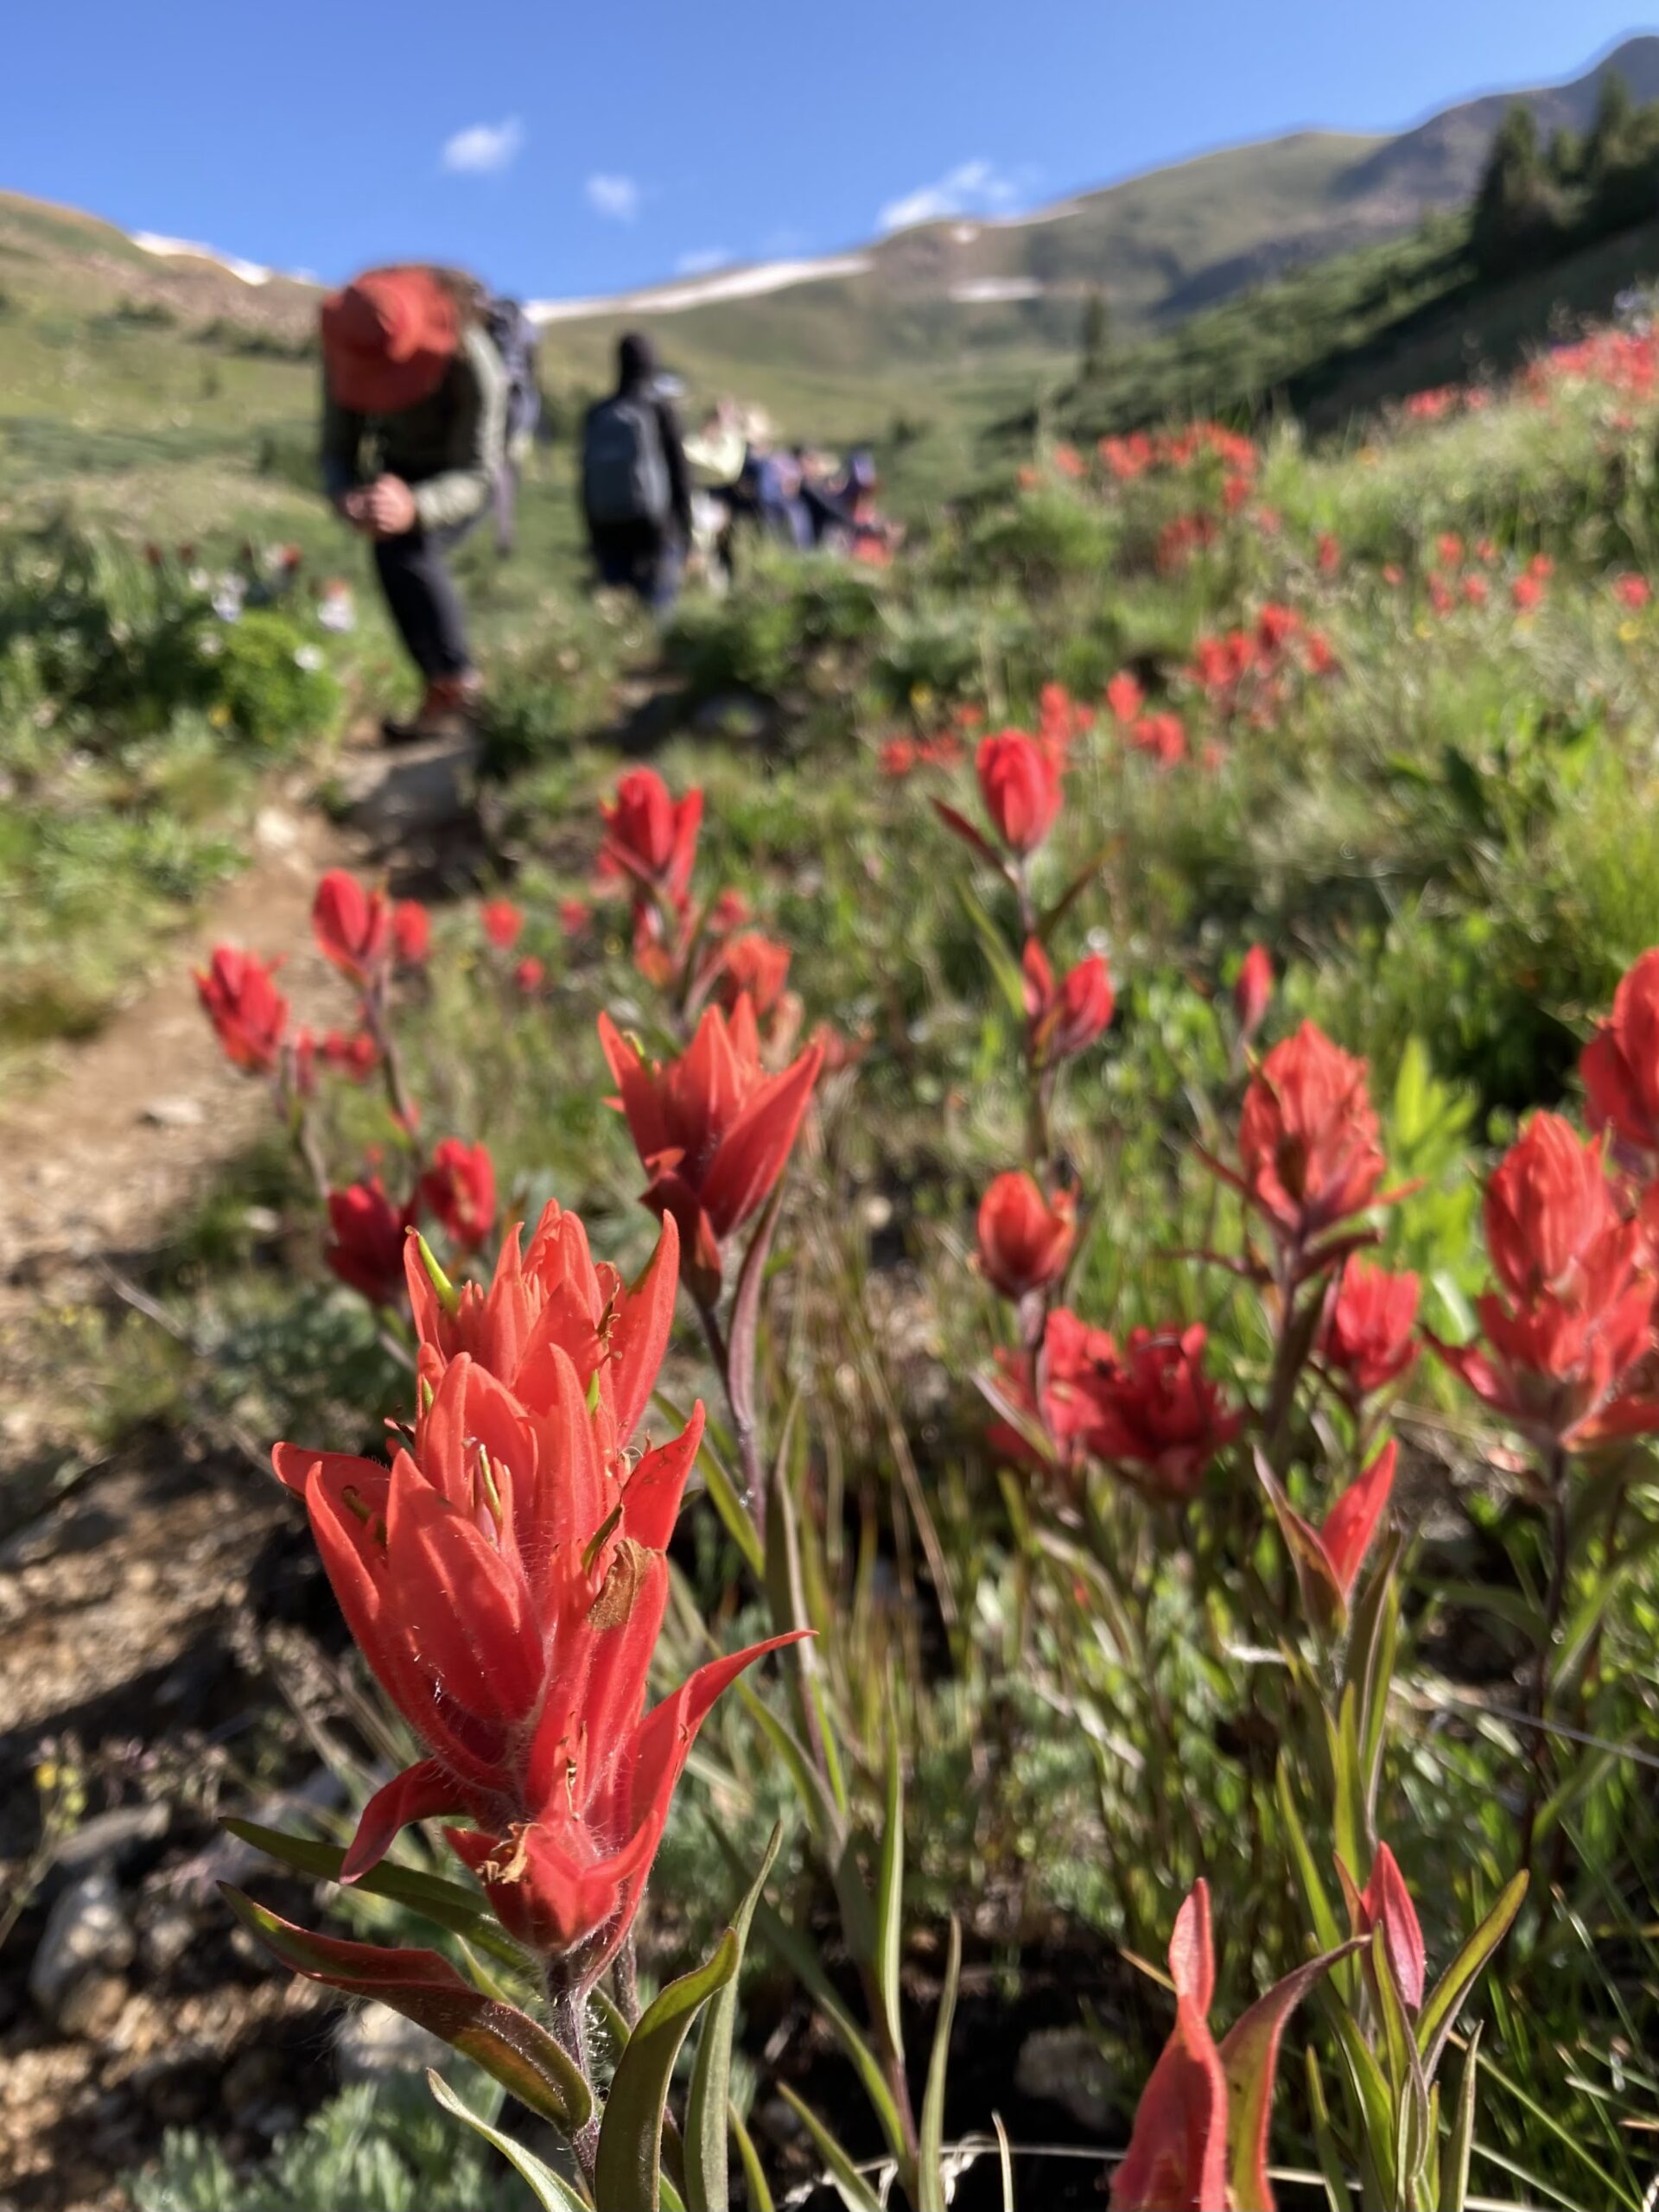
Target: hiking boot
{"points": [[446, 712]]}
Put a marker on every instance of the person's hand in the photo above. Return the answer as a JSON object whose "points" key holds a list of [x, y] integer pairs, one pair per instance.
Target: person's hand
{"points": [[390, 507], [354, 506]]}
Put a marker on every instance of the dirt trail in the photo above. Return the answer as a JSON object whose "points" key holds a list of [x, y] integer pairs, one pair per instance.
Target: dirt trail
{"points": [[105, 1151], [102, 1153], [128, 1596]]}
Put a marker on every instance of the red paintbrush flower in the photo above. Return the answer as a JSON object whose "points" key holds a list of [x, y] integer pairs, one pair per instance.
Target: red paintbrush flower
{"points": [[240, 996], [459, 1189], [712, 1129], [1025, 1239], [752, 962], [1367, 1339], [502, 922], [505, 1579], [1327, 1560], [1199, 2142], [1019, 782], [368, 1234], [411, 932], [1307, 1136], [1253, 991], [1385, 1902], [649, 838], [1620, 1065], [1157, 1413], [1568, 1336], [352, 926], [1065, 1018]]}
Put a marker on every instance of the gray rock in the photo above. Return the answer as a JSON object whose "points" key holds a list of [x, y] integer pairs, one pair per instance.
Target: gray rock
{"points": [[275, 831], [167, 1937], [111, 1838], [417, 787], [176, 1113], [87, 1936], [92, 2005], [1063, 2066], [372, 2040]]}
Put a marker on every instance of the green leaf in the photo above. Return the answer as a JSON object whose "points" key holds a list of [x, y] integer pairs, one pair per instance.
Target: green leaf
{"points": [[1250, 2058], [743, 1328], [1371, 1664], [1454, 2164], [1580, 1634], [1006, 970], [511, 2047], [550, 2190], [930, 2169], [797, 1954], [1322, 1602], [890, 1892], [449, 1297], [816, 1800], [1405, 2074], [708, 2099], [1074, 890], [850, 2185], [627, 2170], [722, 1495], [447, 1905], [1005, 2161], [1329, 2151], [1327, 1926], [1440, 2006], [1371, 2094], [754, 2178], [1354, 1841]]}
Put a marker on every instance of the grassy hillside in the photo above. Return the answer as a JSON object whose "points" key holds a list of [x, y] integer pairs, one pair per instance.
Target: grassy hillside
{"points": [[1390, 717], [1160, 246]]}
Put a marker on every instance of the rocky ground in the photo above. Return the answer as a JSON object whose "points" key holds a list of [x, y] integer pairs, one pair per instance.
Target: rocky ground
{"points": [[169, 1644]]}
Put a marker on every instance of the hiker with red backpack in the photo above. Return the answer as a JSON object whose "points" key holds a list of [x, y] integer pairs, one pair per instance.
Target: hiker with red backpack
{"points": [[636, 487], [414, 406]]}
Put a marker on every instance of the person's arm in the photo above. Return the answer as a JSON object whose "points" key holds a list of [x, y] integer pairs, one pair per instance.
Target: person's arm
{"points": [[460, 491], [679, 476], [338, 446]]}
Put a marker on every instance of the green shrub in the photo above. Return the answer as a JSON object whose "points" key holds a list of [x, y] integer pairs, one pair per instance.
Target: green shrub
{"points": [[267, 680]]}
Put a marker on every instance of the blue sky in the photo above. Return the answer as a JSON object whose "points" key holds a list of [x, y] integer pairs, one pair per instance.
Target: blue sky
{"points": [[562, 150]]}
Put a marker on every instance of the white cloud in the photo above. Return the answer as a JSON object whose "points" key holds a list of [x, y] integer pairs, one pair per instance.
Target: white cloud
{"points": [[972, 188], [483, 148], [617, 197], [705, 259]]}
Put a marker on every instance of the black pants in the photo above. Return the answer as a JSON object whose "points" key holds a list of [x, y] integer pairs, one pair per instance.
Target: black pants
{"points": [[643, 557], [422, 596]]}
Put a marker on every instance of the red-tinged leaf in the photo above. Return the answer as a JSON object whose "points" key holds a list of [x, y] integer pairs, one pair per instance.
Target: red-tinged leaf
{"points": [[1322, 1596], [448, 1904], [1440, 2008], [965, 830], [1250, 2058], [1388, 1904], [743, 1333], [424, 1987], [1080, 882], [627, 2171]]}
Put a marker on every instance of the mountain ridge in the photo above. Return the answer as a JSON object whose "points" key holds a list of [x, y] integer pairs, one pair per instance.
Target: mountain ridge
{"points": [[957, 289]]}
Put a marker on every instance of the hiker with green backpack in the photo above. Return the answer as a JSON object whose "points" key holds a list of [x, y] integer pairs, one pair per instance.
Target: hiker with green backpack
{"points": [[636, 488]]}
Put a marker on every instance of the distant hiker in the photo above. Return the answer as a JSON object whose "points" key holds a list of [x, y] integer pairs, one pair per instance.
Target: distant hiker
{"points": [[514, 335], [715, 456], [636, 488], [414, 403], [771, 493]]}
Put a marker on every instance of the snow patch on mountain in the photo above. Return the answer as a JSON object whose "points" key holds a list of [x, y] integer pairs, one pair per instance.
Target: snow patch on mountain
{"points": [[729, 284]]}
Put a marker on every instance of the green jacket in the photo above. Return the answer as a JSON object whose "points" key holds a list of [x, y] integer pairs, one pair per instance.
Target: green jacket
{"points": [[447, 449]]}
